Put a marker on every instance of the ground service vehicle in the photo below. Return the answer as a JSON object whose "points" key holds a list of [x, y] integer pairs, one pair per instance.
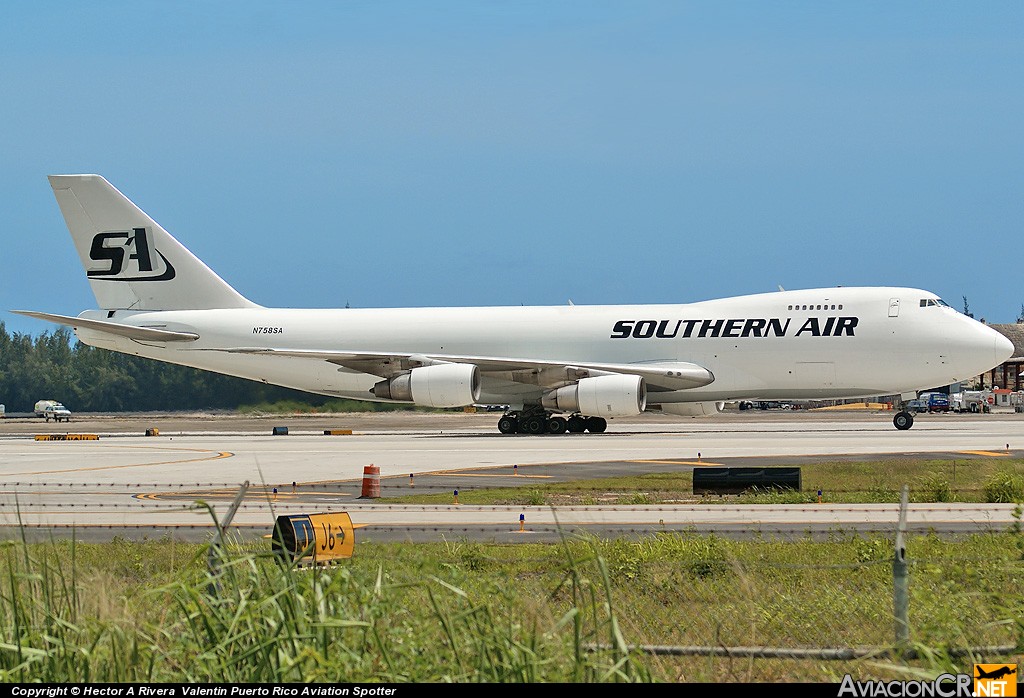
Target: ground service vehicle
{"points": [[916, 406], [41, 405], [51, 409], [935, 402], [971, 401]]}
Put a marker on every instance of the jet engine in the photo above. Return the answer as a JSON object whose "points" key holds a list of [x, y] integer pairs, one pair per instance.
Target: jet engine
{"points": [[692, 409], [441, 385], [600, 396]]}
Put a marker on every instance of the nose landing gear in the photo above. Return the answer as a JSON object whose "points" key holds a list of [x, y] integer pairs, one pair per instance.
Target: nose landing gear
{"points": [[903, 420]]}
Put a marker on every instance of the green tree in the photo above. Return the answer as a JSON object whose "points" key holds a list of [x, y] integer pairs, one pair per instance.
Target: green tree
{"points": [[967, 310], [87, 379]]}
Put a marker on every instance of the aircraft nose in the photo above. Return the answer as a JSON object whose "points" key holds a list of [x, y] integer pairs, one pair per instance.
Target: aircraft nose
{"points": [[1004, 347], [977, 347]]}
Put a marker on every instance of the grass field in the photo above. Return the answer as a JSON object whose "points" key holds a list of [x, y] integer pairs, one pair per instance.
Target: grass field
{"points": [[665, 608], [977, 479]]}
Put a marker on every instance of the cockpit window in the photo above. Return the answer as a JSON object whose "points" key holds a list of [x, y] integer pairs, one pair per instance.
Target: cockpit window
{"points": [[927, 302]]}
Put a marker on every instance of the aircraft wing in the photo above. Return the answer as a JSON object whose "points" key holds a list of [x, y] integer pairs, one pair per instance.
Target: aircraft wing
{"points": [[658, 375], [151, 334]]}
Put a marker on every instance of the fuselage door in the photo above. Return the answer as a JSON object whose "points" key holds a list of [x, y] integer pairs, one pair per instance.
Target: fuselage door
{"points": [[894, 307]]}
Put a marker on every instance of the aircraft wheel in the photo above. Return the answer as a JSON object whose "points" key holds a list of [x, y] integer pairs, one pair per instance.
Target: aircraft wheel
{"points": [[557, 425], [508, 425], [903, 421], [535, 425], [595, 425], [576, 424]]}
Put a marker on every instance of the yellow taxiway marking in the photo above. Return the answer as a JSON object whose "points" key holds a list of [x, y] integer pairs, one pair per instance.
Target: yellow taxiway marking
{"points": [[676, 462], [987, 453], [219, 455]]}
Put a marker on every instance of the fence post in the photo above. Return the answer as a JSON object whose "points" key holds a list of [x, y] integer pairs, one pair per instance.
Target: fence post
{"points": [[899, 577], [215, 553]]}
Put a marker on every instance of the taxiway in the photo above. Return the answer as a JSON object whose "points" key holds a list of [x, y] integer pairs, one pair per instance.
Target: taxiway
{"points": [[174, 482]]}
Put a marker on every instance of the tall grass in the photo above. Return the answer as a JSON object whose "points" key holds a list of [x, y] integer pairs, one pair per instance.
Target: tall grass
{"points": [[256, 618], [480, 612], [1005, 487]]}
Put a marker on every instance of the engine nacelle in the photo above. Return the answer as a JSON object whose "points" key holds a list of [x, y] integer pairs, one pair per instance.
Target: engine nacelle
{"points": [[600, 396], [692, 409], [442, 385]]}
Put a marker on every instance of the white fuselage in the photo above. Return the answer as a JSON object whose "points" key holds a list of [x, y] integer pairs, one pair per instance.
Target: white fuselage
{"points": [[819, 343]]}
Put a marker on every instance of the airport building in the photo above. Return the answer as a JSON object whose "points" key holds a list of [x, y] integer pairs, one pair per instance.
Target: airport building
{"points": [[1008, 375]]}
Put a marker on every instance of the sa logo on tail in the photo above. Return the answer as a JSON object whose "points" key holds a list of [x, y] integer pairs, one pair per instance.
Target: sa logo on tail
{"points": [[137, 244]]}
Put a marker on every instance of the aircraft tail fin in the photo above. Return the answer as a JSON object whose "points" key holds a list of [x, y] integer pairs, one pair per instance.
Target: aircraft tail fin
{"points": [[132, 263]]}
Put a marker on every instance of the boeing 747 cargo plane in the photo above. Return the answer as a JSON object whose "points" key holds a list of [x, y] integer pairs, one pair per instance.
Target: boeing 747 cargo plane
{"points": [[559, 369]]}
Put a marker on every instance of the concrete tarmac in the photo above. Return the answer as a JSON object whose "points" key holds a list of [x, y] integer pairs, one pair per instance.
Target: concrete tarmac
{"points": [[124, 483]]}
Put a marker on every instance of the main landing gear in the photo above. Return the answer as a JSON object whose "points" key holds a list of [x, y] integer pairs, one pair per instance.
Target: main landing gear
{"points": [[540, 421]]}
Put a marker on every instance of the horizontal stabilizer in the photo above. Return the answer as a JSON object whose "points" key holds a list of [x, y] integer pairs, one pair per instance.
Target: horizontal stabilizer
{"points": [[150, 334]]}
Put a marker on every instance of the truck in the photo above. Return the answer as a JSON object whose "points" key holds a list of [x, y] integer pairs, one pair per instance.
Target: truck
{"points": [[971, 401], [937, 402], [52, 409]]}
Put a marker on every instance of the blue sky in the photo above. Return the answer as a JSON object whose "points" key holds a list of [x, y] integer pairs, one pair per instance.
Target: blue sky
{"points": [[384, 154]]}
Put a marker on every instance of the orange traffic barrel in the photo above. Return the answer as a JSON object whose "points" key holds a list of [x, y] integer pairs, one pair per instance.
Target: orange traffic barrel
{"points": [[371, 481]]}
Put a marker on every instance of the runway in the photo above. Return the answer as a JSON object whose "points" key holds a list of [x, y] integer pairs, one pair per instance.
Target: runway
{"points": [[124, 483]]}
